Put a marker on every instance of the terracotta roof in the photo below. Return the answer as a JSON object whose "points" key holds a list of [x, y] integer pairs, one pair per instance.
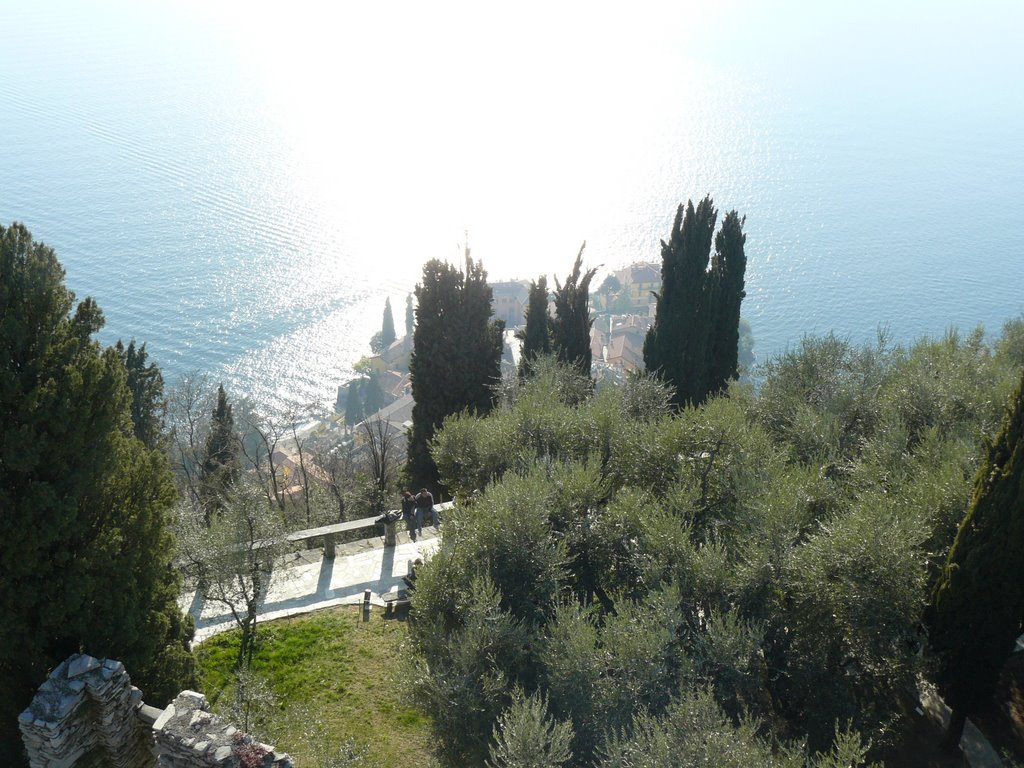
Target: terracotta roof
{"points": [[645, 272], [623, 350], [639, 272]]}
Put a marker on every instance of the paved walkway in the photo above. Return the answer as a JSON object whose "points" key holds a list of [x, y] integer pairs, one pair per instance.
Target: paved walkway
{"points": [[307, 581], [977, 750]]}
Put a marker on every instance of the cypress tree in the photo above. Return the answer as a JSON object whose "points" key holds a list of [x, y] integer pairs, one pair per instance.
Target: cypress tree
{"points": [[354, 410], [387, 329], [728, 268], [977, 606], [536, 336], [220, 467], [456, 356], [86, 557], [373, 395], [410, 316], [693, 342], [571, 326]]}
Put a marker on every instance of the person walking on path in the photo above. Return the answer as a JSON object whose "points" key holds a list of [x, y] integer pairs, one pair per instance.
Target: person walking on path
{"points": [[424, 506], [408, 510]]}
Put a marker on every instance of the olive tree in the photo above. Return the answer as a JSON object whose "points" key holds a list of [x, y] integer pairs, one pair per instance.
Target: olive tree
{"points": [[230, 560]]}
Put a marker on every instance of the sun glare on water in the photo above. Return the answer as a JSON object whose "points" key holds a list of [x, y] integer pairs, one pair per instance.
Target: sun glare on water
{"points": [[419, 122], [242, 184]]}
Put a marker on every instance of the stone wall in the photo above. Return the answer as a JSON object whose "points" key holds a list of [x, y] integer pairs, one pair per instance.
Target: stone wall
{"points": [[188, 735], [88, 713], [85, 713]]}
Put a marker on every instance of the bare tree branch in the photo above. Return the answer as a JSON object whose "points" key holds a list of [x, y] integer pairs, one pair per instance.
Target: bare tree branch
{"points": [[381, 442], [189, 404]]}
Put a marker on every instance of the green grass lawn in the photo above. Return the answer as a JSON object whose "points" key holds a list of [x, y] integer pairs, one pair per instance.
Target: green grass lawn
{"points": [[334, 678]]}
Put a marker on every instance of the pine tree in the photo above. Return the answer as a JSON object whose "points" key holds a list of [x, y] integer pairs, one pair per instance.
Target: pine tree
{"points": [[977, 606], [693, 342], [220, 467], [146, 384], [387, 329], [410, 316], [570, 330], [86, 558], [456, 356], [536, 336]]}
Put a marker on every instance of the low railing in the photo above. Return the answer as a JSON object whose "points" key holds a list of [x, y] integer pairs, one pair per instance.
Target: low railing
{"points": [[330, 533]]}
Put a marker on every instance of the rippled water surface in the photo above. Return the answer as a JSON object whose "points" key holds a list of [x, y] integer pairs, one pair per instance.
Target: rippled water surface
{"points": [[241, 185]]}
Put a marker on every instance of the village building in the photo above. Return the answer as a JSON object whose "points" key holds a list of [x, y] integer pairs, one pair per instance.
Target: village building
{"points": [[508, 301], [640, 281], [618, 341]]}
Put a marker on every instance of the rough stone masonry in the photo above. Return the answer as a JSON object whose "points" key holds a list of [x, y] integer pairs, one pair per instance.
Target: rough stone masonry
{"points": [[87, 713]]}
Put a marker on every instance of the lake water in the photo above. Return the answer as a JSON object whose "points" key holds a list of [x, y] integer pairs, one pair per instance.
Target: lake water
{"points": [[240, 185]]}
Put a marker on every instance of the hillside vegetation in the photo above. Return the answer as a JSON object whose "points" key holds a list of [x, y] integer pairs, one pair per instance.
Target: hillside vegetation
{"points": [[736, 584]]}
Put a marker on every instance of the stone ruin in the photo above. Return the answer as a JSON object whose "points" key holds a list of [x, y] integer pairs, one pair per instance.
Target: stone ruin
{"points": [[188, 735], [85, 711], [88, 714]]}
